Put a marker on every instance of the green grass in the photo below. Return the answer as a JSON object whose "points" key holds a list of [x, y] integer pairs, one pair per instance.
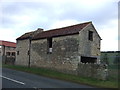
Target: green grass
{"points": [[67, 77]]}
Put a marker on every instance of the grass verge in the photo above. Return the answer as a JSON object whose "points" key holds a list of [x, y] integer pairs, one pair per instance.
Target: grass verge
{"points": [[67, 77]]}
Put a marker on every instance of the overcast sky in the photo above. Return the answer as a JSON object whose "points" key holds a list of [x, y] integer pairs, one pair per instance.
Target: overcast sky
{"points": [[20, 16]]}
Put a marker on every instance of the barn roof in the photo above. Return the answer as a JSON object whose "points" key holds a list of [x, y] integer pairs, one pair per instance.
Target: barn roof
{"points": [[69, 30], [7, 43], [25, 36]]}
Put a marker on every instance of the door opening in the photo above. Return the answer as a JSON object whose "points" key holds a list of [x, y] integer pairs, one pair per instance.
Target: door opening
{"points": [[88, 59]]}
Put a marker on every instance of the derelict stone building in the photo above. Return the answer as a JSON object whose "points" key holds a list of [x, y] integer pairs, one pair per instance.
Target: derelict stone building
{"points": [[61, 49]]}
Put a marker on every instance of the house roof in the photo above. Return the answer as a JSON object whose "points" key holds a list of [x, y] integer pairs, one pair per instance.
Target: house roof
{"points": [[69, 30], [25, 36], [7, 43], [30, 34]]}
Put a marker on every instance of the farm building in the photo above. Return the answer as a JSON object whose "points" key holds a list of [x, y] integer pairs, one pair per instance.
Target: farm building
{"points": [[7, 51], [61, 49]]}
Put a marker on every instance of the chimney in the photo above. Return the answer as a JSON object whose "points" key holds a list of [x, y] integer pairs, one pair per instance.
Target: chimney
{"points": [[39, 30]]}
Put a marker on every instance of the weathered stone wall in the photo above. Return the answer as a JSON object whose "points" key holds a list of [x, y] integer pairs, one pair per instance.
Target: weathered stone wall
{"points": [[87, 47], [66, 51], [64, 54], [9, 60], [22, 48], [97, 71]]}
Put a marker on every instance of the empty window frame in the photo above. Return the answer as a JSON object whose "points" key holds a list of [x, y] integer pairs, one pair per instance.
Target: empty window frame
{"points": [[49, 42], [28, 52], [7, 53], [17, 52], [13, 53], [90, 35]]}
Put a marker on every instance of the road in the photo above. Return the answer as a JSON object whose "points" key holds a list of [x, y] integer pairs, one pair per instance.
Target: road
{"points": [[17, 79]]}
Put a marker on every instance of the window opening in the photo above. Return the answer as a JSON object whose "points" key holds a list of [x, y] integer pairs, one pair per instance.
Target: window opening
{"points": [[8, 53], [88, 59], [90, 36], [13, 53], [17, 52], [49, 41]]}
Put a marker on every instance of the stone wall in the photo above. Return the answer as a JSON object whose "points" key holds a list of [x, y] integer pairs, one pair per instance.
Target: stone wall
{"points": [[22, 57], [9, 60], [66, 51], [91, 70], [87, 47], [64, 54]]}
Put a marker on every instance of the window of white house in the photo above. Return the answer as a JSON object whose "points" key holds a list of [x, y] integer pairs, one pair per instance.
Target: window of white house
{"points": [[90, 35], [8, 53], [13, 53], [49, 42]]}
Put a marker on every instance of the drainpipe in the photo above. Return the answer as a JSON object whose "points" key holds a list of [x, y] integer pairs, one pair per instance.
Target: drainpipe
{"points": [[29, 52]]}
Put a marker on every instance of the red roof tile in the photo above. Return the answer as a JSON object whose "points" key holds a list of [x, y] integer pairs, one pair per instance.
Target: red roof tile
{"points": [[29, 34], [74, 29], [25, 36], [69, 30], [7, 43]]}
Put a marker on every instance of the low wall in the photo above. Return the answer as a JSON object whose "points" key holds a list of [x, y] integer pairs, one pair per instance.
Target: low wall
{"points": [[3, 59], [8, 60], [98, 71]]}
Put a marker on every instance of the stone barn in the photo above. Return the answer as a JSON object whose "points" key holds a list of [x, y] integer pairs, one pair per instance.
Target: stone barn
{"points": [[61, 49]]}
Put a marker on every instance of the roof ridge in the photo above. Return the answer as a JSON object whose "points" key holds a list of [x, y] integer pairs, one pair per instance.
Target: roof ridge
{"points": [[68, 26], [67, 30]]}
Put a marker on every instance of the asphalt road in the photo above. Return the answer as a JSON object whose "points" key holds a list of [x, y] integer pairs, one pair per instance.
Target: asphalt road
{"points": [[17, 79]]}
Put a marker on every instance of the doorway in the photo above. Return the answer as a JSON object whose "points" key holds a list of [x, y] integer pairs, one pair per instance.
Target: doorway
{"points": [[88, 59]]}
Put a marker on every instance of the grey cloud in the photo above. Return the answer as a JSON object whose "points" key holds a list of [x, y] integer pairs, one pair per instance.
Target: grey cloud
{"points": [[26, 8], [102, 15], [53, 12]]}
